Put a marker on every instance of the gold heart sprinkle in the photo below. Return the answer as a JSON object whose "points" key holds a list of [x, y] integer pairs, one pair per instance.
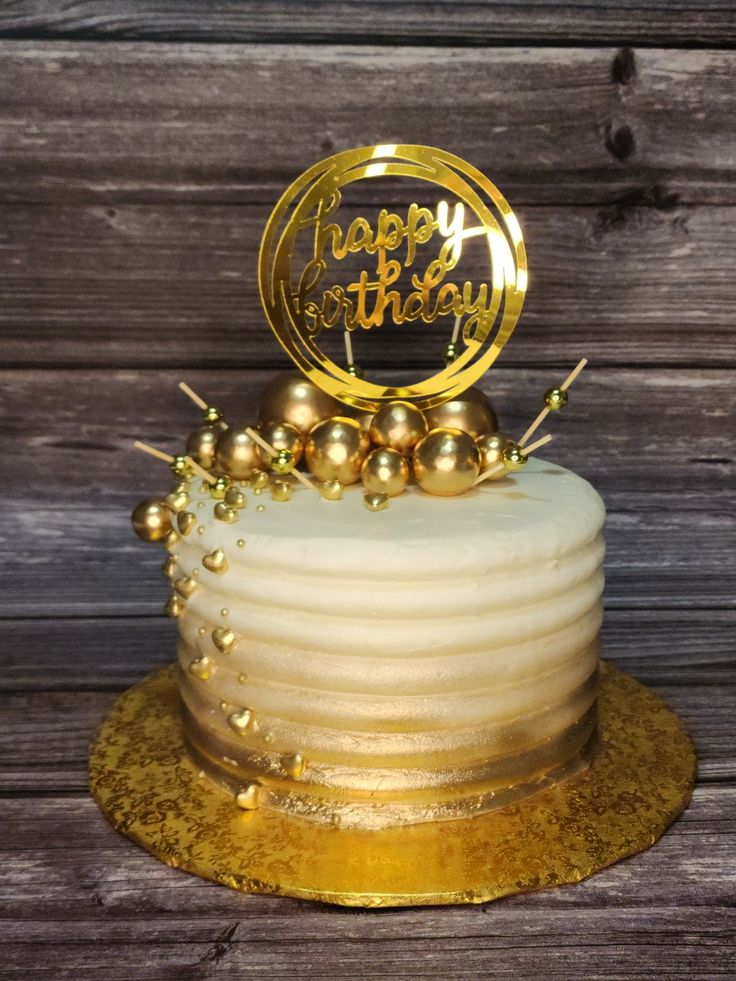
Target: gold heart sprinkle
{"points": [[331, 490], [249, 797], [174, 607], [235, 498], [171, 539], [224, 513], [224, 639], [185, 521], [169, 567], [293, 764], [180, 487], [185, 586], [202, 668], [177, 502], [215, 561], [241, 721], [376, 502], [259, 480]]}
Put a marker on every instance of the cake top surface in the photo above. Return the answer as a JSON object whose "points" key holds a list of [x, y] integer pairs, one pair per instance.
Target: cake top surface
{"points": [[539, 513]]}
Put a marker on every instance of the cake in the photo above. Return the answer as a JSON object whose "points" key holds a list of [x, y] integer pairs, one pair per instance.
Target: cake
{"points": [[434, 660]]}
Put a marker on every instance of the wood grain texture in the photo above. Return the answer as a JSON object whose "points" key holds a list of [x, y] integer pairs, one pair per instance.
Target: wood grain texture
{"points": [[371, 22], [184, 121], [164, 285]]}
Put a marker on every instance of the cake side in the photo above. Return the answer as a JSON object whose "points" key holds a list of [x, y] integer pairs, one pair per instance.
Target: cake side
{"points": [[419, 663]]}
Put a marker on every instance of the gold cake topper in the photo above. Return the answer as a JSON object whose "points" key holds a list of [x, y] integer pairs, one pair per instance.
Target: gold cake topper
{"points": [[403, 274]]}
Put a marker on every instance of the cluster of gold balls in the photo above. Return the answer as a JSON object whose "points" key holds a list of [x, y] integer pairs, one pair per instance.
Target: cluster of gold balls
{"points": [[443, 449]]}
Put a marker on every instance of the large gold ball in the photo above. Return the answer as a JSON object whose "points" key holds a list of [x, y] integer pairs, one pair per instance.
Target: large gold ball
{"points": [[446, 462], [470, 412], [151, 520], [335, 449], [282, 436], [385, 471], [398, 425], [201, 445], [236, 454], [291, 397], [491, 447]]}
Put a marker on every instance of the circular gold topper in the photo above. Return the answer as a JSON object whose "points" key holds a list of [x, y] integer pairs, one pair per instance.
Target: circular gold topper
{"points": [[404, 258]]}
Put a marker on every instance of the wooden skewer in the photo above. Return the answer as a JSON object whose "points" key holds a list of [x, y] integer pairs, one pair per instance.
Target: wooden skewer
{"points": [[192, 395], [257, 438], [546, 410], [573, 374], [200, 471], [456, 329], [349, 348], [500, 466], [152, 451]]}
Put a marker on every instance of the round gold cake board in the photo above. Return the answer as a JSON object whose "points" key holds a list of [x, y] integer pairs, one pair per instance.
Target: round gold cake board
{"points": [[640, 778]]}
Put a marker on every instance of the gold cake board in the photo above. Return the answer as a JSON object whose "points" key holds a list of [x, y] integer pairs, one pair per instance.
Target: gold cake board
{"points": [[640, 778]]}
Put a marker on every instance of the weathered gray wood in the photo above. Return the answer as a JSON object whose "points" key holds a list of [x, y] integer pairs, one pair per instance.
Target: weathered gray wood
{"points": [[88, 904], [646, 282], [664, 647], [213, 122], [46, 734], [367, 21]]}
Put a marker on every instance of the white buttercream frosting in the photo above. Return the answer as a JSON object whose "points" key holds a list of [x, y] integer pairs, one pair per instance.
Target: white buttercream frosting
{"points": [[439, 633]]}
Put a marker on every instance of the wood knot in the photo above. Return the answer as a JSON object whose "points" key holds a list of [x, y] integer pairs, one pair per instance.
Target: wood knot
{"points": [[620, 142], [623, 68]]}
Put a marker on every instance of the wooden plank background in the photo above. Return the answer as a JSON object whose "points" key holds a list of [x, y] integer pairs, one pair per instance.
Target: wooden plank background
{"points": [[142, 146]]}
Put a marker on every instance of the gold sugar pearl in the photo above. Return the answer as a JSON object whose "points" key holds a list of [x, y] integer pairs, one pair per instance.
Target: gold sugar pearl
{"points": [[240, 543], [514, 457], [224, 611], [261, 508], [200, 530], [202, 631], [555, 398]]}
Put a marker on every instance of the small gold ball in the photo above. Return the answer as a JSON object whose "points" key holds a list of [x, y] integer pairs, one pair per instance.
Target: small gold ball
{"points": [[398, 425], [491, 447], [261, 508], [470, 412], [236, 454], [151, 520], [291, 397], [446, 462], [355, 371], [283, 462], [514, 457], [331, 490], [375, 502], [555, 398], [179, 466], [240, 543], [201, 445], [282, 436], [450, 353], [335, 449], [385, 471], [280, 490], [213, 415], [221, 486], [259, 480]]}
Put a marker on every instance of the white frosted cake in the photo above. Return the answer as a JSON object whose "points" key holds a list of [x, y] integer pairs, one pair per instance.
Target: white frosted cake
{"points": [[433, 660]]}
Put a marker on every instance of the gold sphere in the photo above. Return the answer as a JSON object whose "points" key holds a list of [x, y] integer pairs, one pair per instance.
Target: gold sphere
{"points": [[179, 466], [355, 371], [470, 412], [385, 471], [214, 415], [398, 425], [151, 520], [291, 397], [514, 457], [446, 462], [283, 462], [555, 398], [236, 454], [282, 436], [450, 353], [491, 447], [221, 486], [201, 445], [335, 449]]}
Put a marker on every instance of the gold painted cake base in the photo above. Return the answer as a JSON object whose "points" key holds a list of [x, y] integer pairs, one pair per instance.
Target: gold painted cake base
{"points": [[640, 779]]}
